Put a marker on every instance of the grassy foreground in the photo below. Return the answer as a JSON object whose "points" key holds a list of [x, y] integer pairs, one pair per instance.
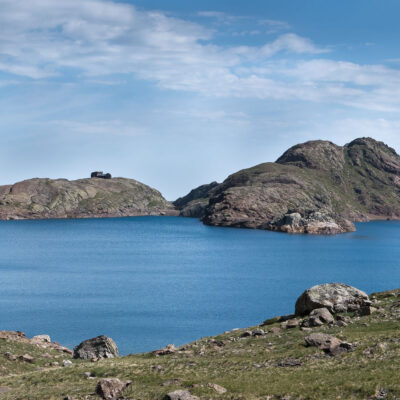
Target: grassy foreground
{"points": [[274, 366]]}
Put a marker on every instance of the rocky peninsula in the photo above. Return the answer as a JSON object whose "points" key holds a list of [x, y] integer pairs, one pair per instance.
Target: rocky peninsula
{"points": [[339, 343], [83, 198], [315, 187]]}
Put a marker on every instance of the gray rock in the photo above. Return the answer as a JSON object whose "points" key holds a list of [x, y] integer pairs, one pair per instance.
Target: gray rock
{"points": [[170, 349], [258, 332], [245, 334], [328, 343], [336, 297], [42, 338], [180, 395], [27, 358], [10, 356], [290, 324], [318, 317], [219, 389], [96, 348], [111, 388], [67, 363]]}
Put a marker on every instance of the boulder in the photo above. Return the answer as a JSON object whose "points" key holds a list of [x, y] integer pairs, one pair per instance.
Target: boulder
{"points": [[111, 388], [318, 317], [180, 395], [27, 358], [336, 297], [10, 356], [67, 363], [96, 348], [258, 332], [290, 324], [328, 343], [219, 389]]}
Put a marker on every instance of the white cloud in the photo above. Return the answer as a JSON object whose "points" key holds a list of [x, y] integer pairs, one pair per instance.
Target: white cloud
{"points": [[292, 43], [97, 38]]}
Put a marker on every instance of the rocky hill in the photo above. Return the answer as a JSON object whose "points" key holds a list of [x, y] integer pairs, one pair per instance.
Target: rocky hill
{"points": [[83, 198], [338, 344], [315, 187], [194, 203]]}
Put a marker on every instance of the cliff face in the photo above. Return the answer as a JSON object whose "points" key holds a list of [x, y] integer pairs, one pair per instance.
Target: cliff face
{"points": [[314, 187], [83, 198]]}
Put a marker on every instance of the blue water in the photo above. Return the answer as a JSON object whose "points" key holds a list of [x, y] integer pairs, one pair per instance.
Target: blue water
{"points": [[150, 281]]}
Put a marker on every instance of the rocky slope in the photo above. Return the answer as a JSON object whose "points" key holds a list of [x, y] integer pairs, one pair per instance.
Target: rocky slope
{"points": [[195, 203], [315, 187], [83, 198], [346, 345]]}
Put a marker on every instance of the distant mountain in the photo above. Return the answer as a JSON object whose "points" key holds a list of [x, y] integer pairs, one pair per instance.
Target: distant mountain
{"points": [[315, 187], [83, 198]]}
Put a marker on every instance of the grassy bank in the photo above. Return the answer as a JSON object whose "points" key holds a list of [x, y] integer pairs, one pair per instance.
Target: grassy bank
{"points": [[276, 365]]}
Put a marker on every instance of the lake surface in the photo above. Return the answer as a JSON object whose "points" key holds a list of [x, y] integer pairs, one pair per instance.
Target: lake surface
{"points": [[150, 281]]}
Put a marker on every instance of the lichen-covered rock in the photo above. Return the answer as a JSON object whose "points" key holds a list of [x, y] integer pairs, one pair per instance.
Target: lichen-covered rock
{"points": [[336, 297], [96, 348], [111, 388]]}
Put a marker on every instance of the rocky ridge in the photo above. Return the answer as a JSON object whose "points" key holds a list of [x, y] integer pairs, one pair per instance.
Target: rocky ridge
{"points": [[315, 187], [84, 198]]}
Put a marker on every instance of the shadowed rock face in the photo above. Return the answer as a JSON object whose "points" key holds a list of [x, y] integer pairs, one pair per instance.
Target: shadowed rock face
{"points": [[315, 187], [83, 198]]}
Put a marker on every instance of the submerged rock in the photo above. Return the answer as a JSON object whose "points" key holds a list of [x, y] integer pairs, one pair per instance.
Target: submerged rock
{"points": [[336, 297], [96, 348]]}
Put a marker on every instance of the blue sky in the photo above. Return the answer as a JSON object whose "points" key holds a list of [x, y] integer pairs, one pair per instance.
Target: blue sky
{"points": [[179, 93]]}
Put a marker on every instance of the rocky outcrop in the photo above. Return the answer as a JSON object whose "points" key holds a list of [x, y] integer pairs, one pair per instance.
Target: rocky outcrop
{"points": [[316, 223], [42, 341], [336, 297], [83, 198], [316, 187], [194, 203], [96, 348]]}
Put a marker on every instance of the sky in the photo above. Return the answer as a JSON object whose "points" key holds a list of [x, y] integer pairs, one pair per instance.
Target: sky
{"points": [[180, 93]]}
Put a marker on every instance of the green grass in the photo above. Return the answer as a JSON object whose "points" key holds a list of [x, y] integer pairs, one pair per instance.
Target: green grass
{"points": [[246, 367]]}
